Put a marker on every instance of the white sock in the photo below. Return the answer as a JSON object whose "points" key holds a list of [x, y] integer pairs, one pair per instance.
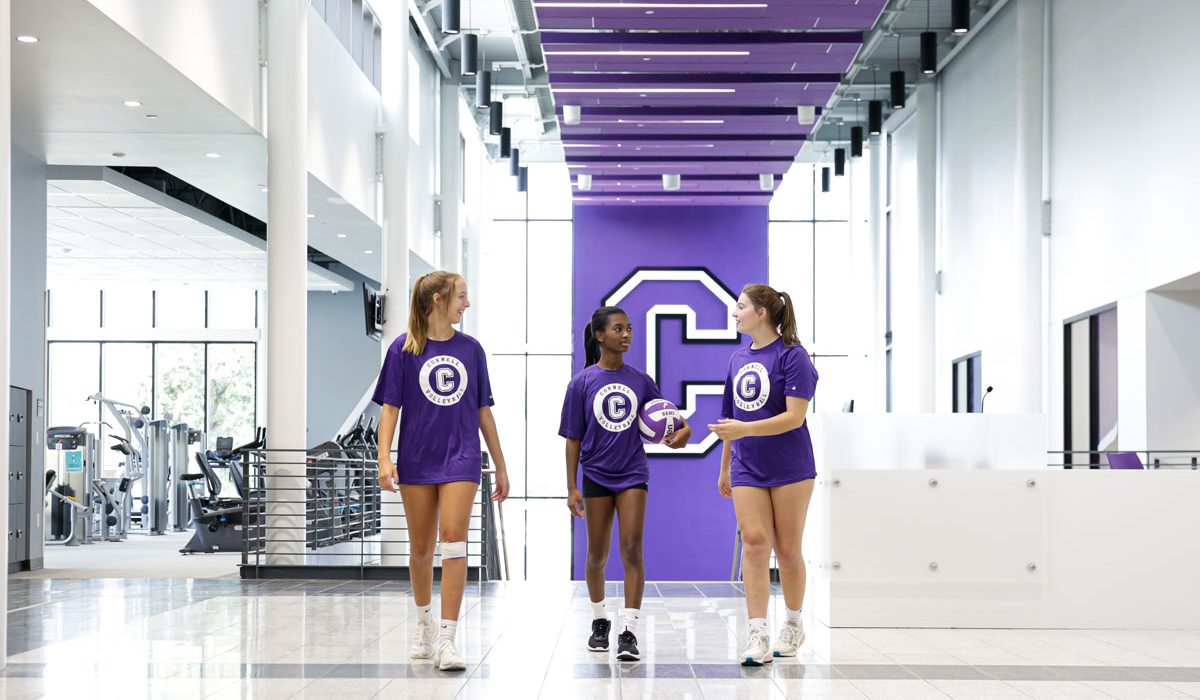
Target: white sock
{"points": [[425, 612], [632, 616], [448, 630], [600, 610], [793, 616], [758, 624]]}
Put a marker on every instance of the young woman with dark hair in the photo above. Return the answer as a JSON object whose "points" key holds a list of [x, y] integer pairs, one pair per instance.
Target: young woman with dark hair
{"points": [[599, 421]]}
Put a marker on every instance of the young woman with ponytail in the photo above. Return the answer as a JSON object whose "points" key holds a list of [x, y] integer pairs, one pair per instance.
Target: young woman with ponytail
{"points": [[599, 421], [767, 464], [439, 377]]}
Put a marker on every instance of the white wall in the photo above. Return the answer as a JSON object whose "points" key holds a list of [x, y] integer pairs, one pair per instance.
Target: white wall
{"points": [[343, 112], [980, 264], [185, 34], [1173, 370], [913, 254], [1123, 219]]}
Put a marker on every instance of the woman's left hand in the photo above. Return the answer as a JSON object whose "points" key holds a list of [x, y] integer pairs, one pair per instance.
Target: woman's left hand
{"points": [[501, 491], [730, 429], [679, 438]]}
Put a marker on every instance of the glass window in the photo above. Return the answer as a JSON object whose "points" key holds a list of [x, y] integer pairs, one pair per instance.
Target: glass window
{"points": [[549, 311], [231, 386], [345, 25], [508, 387], [128, 307], [74, 376], [231, 308], [834, 205], [501, 296], [179, 307], [127, 377], [835, 320], [793, 199], [547, 386], [550, 559], [549, 191], [504, 201], [179, 382], [836, 384], [377, 47], [356, 28], [74, 307], [790, 269]]}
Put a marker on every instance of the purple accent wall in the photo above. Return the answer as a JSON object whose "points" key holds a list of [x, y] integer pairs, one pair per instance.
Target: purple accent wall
{"points": [[689, 528]]}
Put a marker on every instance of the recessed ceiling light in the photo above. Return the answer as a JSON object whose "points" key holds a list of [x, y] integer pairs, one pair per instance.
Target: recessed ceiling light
{"points": [[27, 39], [212, 155], [368, 252], [312, 216], [262, 188], [341, 235], [132, 103]]}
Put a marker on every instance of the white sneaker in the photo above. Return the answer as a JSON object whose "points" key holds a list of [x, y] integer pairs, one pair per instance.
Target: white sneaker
{"points": [[789, 640], [447, 658], [758, 649], [422, 646]]}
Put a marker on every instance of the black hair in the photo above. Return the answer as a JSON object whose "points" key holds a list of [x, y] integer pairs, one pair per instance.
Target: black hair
{"points": [[591, 347]]}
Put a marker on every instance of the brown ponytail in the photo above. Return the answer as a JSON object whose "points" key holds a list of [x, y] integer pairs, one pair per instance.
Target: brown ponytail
{"points": [[422, 306], [779, 308]]}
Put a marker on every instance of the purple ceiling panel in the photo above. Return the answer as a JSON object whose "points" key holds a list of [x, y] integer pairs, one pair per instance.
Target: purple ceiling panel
{"points": [[707, 89]]}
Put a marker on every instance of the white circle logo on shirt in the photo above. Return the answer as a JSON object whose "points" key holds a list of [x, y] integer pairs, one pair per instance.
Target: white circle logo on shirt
{"points": [[615, 407], [751, 387], [443, 380]]}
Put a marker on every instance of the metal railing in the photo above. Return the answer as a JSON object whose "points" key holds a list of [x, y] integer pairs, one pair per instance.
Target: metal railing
{"points": [[324, 515], [1098, 459]]}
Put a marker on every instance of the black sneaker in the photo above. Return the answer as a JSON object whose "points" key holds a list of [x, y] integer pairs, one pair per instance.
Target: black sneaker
{"points": [[599, 639], [627, 647]]}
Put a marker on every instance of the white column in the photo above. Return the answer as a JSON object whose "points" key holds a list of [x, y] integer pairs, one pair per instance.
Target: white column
{"points": [[451, 176], [924, 337], [394, 280], [878, 261], [1027, 209], [5, 280], [287, 277]]}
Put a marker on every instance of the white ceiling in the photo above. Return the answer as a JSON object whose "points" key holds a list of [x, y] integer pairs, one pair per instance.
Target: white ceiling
{"points": [[101, 231], [68, 95]]}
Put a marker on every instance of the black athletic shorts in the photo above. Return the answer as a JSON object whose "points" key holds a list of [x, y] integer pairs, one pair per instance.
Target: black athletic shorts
{"points": [[593, 490]]}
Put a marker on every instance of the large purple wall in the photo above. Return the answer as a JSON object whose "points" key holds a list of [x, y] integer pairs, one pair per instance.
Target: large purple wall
{"points": [[689, 527]]}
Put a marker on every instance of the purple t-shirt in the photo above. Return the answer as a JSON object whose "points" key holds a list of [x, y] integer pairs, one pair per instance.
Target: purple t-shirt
{"points": [[601, 411], [439, 393], [755, 388]]}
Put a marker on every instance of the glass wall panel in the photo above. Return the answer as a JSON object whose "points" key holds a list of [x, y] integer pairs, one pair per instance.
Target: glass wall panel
{"points": [[179, 382]]}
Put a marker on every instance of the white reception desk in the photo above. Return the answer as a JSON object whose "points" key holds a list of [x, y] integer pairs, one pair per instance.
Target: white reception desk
{"points": [[953, 520]]}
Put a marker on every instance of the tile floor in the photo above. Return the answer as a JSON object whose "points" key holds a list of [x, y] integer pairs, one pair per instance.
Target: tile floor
{"points": [[226, 638]]}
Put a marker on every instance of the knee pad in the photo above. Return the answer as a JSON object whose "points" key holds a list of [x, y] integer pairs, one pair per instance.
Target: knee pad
{"points": [[454, 550]]}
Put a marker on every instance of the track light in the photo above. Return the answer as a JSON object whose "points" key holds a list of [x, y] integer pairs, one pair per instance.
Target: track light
{"points": [[825, 179], [571, 114], [496, 118], [514, 162], [806, 114], [583, 182], [898, 95], [670, 181], [505, 142], [875, 117], [839, 161], [928, 53], [856, 142], [960, 16], [766, 182], [451, 17], [483, 89], [523, 179], [470, 54]]}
